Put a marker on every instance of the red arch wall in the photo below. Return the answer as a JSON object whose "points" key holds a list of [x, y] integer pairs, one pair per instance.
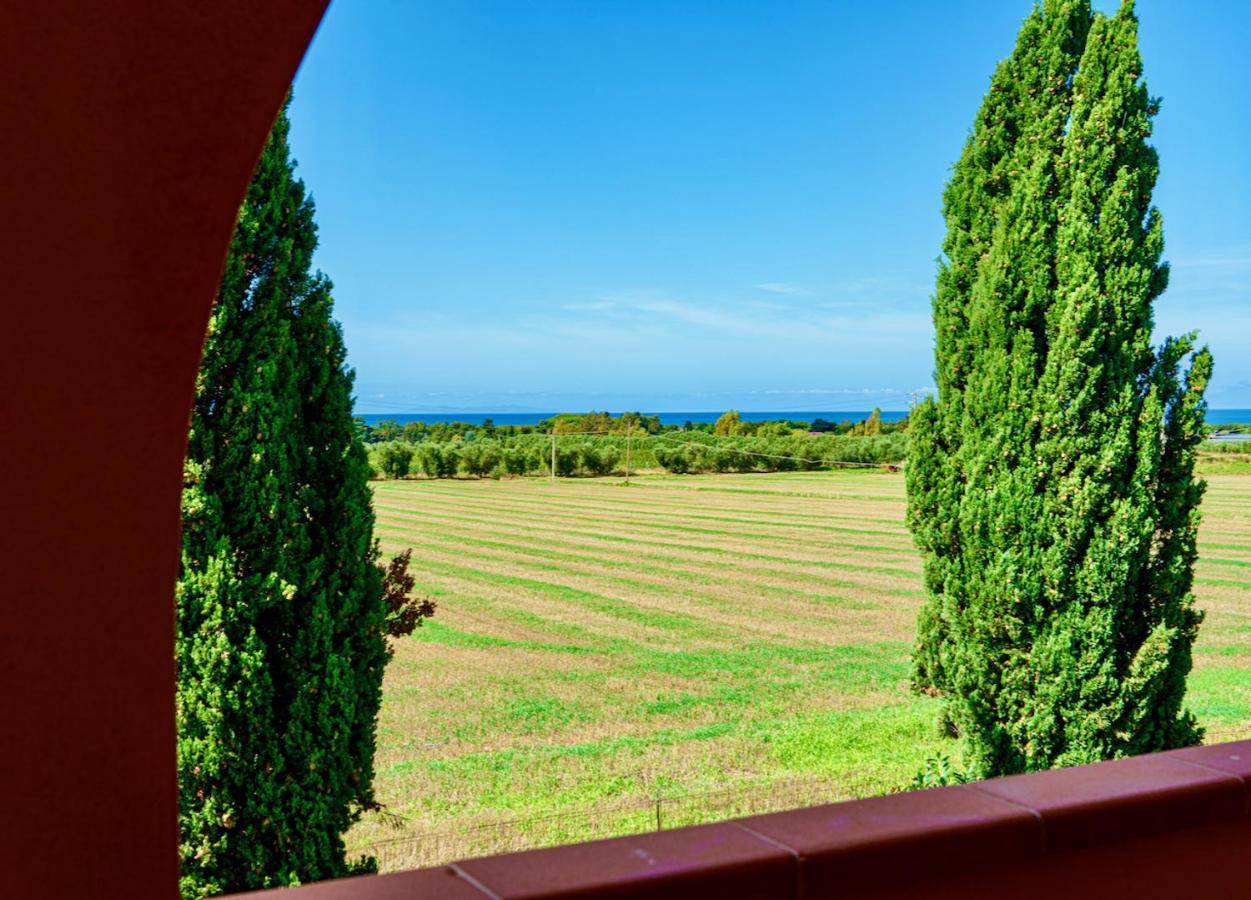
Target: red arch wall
{"points": [[128, 133]]}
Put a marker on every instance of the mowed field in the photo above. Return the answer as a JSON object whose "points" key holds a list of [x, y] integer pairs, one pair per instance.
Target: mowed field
{"points": [[721, 643]]}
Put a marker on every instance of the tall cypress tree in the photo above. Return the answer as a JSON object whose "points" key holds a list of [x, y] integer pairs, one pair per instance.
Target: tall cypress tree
{"points": [[281, 618], [1019, 125], [1051, 486]]}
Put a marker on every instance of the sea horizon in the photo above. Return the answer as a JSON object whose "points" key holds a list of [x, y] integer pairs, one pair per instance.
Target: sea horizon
{"points": [[699, 417]]}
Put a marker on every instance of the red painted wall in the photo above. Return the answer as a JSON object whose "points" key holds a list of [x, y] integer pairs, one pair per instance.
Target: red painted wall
{"points": [[128, 131]]}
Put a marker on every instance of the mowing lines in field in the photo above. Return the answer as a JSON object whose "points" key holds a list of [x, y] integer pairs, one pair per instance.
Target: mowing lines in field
{"points": [[763, 597], [594, 642]]}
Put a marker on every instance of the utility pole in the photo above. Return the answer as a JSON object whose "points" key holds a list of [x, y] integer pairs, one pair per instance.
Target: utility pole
{"points": [[629, 439], [553, 457]]}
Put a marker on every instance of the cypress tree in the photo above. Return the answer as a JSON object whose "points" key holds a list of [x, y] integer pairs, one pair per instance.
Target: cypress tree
{"points": [[281, 619], [1051, 486], [1021, 117]]}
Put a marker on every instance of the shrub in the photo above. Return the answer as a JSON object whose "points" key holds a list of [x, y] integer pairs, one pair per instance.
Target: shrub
{"points": [[938, 771], [394, 459], [479, 458], [597, 459], [404, 611], [566, 460], [520, 460], [672, 459], [437, 460]]}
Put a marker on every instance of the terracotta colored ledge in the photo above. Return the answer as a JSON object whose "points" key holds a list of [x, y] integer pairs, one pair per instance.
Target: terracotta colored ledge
{"points": [[1172, 824]]}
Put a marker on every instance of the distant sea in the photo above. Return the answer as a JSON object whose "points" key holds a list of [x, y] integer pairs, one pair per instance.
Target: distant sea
{"points": [[666, 418], [1215, 416]]}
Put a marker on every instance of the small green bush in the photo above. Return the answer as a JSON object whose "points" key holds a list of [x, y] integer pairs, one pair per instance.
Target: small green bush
{"points": [[394, 459], [938, 771]]}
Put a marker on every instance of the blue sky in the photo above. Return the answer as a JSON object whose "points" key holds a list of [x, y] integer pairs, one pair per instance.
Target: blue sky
{"points": [[697, 205]]}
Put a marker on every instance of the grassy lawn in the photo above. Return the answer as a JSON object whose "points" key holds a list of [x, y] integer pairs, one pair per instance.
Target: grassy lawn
{"points": [[725, 643]]}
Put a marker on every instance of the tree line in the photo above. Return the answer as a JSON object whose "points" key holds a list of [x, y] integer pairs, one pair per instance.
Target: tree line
{"points": [[675, 452], [591, 455], [729, 423]]}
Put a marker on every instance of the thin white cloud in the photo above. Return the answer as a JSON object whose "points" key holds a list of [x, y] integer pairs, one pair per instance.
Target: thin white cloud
{"points": [[869, 331], [838, 392], [878, 292], [1227, 258], [1217, 279], [738, 350], [693, 314], [650, 312], [593, 306], [784, 287]]}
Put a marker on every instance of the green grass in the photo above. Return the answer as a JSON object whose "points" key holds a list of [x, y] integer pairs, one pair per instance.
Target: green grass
{"points": [[1227, 459], [729, 644]]}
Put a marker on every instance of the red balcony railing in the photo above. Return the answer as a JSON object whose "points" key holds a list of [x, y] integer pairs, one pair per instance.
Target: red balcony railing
{"points": [[1166, 825]]}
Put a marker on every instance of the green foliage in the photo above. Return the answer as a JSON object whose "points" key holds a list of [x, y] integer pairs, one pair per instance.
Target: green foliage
{"points": [[1051, 485], [387, 431], [773, 429], [478, 458], [692, 453], [405, 613], [1230, 447], [522, 460], [870, 426], [673, 458], [729, 423], [599, 423], [530, 454], [567, 458], [938, 771], [572, 423], [598, 458], [438, 460], [394, 459], [280, 620]]}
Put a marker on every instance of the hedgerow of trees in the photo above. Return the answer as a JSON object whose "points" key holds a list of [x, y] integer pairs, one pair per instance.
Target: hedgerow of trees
{"points": [[680, 453], [1051, 485], [602, 423]]}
